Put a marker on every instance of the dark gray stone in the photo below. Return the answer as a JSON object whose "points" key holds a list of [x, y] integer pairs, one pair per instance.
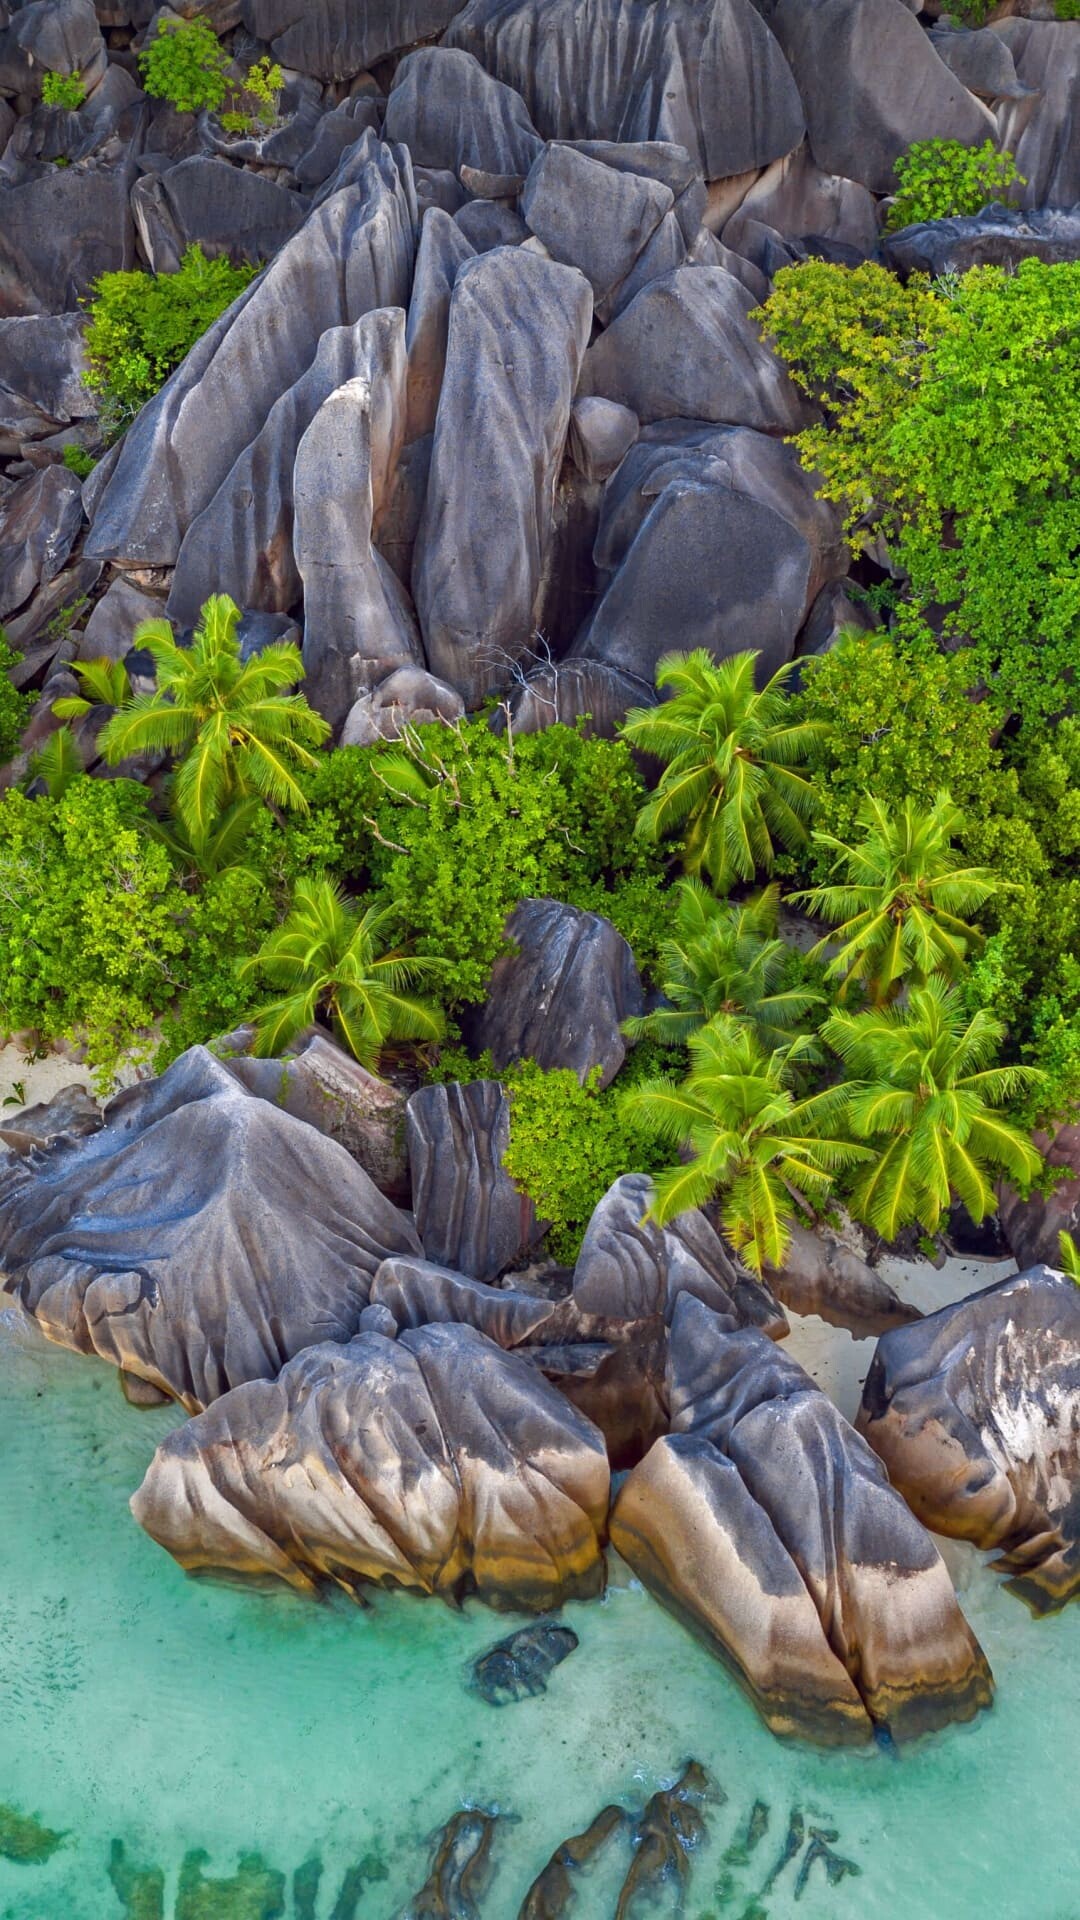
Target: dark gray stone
{"points": [[420, 1294], [450, 114], [58, 232], [319, 1083], [796, 199], [561, 995], [708, 77], [998, 237], [334, 134], [571, 691], [39, 524], [200, 1239], [354, 253], [109, 633], [442, 251], [335, 39], [222, 209], [1043, 133], [590, 216], [70, 1115], [601, 433], [487, 224], [685, 347], [42, 367], [518, 330], [975, 1412], [57, 36], [408, 697], [469, 1214], [981, 60], [822, 1276], [519, 1667]]}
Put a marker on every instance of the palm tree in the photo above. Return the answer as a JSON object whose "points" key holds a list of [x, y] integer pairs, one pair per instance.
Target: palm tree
{"points": [[232, 723], [1069, 1256], [328, 955], [745, 1135], [725, 958], [105, 683], [730, 782], [57, 763], [222, 845], [897, 909], [924, 1097]]}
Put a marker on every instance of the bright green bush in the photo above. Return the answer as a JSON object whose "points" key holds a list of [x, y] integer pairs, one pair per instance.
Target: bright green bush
{"points": [[143, 324], [260, 88], [952, 432], [14, 706], [941, 178], [459, 830], [184, 63], [78, 461], [63, 90]]}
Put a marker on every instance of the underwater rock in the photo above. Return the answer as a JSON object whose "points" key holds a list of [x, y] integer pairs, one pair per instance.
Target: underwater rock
{"points": [[140, 1890], [460, 1870], [434, 1462], [469, 1214], [820, 1275], [24, 1839], [552, 1893], [518, 1667], [975, 1412], [256, 1891], [561, 995], [671, 1826], [199, 1239], [767, 1524]]}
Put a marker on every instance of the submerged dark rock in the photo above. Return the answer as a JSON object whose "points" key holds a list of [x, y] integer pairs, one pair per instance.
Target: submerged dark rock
{"points": [[552, 1894], [460, 1870], [672, 1825], [519, 1667]]}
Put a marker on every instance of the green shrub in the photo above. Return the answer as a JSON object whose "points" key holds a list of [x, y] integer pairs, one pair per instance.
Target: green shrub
{"points": [[185, 64], [78, 461], [459, 826], [142, 325], [1067, 9], [63, 90], [260, 88], [14, 706], [941, 178]]}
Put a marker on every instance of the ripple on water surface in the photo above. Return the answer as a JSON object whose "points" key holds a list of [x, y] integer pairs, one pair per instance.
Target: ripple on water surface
{"points": [[143, 1708]]}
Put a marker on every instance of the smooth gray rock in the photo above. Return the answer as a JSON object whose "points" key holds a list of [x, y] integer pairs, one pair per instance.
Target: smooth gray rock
{"points": [[601, 434], [487, 224], [708, 251], [39, 524], [797, 199], [872, 84], [981, 60], [400, 520], [334, 134], [998, 237], [58, 232], [591, 216], [434, 1462], [836, 611], [70, 1115], [109, 633], [443, 249], [664, 161], [665, 251], [319, 1083], [419, 1294], [569, 692], [242, 541], [1043, 132], [358, 621], [408, 697], [822, 1276], [354, 253], [519, 325], [468, 1212], [42, 372], [57, 36], [200, 1239], [335, 39], [561, 995], [450, 114], [975, 1412], [686, 347], [222, 209], [708, 77]]}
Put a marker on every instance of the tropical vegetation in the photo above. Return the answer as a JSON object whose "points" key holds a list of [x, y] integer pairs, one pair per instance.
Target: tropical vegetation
{"points": [[141, 325], [938, 179]]}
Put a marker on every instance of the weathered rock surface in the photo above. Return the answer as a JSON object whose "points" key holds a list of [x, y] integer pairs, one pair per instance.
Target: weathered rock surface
{"points": [[872, 83], [519, 1667], [519, 325], [443, 250], [221, 208], [417, 1293], [578, 690], [685, 348], [50, 36], [469, 1214], [200, 1239], [552, 1893], [321, 1084], [408, 697], [976, 1414], [109, 633], [359, 625], [999, 237], [1043, 130], [39, 523], [601, 434], [434, 1462], [42, 367], [820, 1275], [710, 78], [354, 253], [561, 996], [981, 59], [800, 201], [767, 1524], [58, 232], [335, 39], [451, 114], [591, 216], [1032, 1227], [460, 1870], [672, 1824], [71, 1114]]}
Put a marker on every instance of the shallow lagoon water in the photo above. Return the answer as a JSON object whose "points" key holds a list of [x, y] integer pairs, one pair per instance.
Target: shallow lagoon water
{"points": [[171, 1714]]}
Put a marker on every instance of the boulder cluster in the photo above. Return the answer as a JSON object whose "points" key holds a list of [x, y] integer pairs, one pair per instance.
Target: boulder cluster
{"points": [[496, 400]]}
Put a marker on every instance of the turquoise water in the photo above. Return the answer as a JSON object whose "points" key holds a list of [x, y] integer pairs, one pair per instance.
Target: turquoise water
{"points": [[138, 1705]]}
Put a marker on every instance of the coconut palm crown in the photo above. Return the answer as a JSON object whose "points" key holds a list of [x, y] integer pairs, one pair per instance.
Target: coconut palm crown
{"points": [[923, 1093], [233, 724], [731, 783]]}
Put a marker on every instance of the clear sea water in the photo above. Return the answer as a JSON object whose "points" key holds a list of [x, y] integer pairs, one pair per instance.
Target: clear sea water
{"points": [[169, 1714]]}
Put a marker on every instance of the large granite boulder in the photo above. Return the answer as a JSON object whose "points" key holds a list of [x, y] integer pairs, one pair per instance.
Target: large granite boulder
{"points": [[223, 209], [39, 524], [418, 1293], [200, 1239], [708, 76], [872, 83], [561, 996], [359, 624], [821, 1275], [353, 253], [686, 348], [453, 115], [50, 36], [336, 39], [1032, 1226], [573, 692], [766, 1524], [318, 1082], [801, 202], [434, 1462], [42, 371], [980, 58], [442, 252], [975, 1412], [592, 216], [998, 237], [242, 541], [59, 230], [1043, 129], [408, 697], [519, 325], [469, 1214]]}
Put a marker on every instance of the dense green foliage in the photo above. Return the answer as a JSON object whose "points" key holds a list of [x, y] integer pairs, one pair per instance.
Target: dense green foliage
{"points": [[142, 325], [78, 461], [260, 88], [185, 63], [14, 706], [952, 432], [940, 178], [731, 784], [63, 90]]}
